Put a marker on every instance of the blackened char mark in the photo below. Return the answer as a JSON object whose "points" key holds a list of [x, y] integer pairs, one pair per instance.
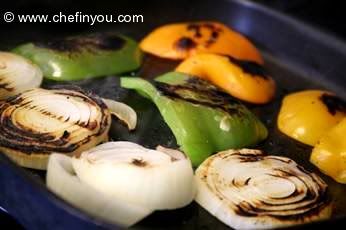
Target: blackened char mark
{"points": [[185, 43], [139, 162], [323, 200], [333, 103], [66, 134], [6, 87], [214, 32], [90, 42], [250, 67], [196, 29], [213, 37], [206, 95], [111, 42]]}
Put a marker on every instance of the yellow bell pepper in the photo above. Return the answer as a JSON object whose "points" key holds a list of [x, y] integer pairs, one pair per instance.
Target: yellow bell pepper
{"points": [[181, 40], [329, 155], [245, 80], [307, 115]]}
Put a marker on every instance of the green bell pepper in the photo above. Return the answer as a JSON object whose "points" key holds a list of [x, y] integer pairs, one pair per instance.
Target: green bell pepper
{"points": [[81, 57], [203, 119]]}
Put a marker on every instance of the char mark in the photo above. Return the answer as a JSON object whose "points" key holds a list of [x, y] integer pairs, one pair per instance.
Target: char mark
{"points": [[250, 67], [90, 42], [185, 43], [333, 103]]}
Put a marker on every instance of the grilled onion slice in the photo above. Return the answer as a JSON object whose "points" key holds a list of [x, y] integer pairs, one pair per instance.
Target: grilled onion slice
{"points": [[62, 180], [246, 189], [155, 179], [39, 121], [17, 74]]}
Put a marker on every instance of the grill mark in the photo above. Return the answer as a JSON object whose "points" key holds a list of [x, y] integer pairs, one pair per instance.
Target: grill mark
{"points": [[207, 96], [249, 67], [214, 32], [333, 103], [139, 162], [90, 42], [65, 135], [196, 29], [184, 44], [6, 86], [247, 181]]}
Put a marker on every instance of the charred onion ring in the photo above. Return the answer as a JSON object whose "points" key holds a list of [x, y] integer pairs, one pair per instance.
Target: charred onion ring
{"points": [[247, 189], [38, 122]]}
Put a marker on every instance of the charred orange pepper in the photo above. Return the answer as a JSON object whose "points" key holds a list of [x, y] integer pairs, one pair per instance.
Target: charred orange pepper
{"points": [[245, 80], [307, 115], [181, 40], [329, 155]]}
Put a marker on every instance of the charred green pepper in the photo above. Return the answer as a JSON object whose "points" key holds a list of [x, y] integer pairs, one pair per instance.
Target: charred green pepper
{"points": [[203, 119], [80, 57]]}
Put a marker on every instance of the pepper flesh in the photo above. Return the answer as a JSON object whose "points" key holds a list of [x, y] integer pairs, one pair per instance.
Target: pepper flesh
{"points": [[329, 155], [181, 40], [242, 79], [82, 57], [307, 115], [200, 127]]}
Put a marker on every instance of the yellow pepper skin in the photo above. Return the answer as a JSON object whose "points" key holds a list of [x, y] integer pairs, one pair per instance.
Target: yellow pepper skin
{"points": [[329, 154], [307, 115], [245, 80], [182, 40]]}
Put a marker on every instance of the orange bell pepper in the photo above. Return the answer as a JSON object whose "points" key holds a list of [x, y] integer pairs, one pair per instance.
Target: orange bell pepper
{"points": [[307, 115], [329, 155], [242, 79], [181, 40]]}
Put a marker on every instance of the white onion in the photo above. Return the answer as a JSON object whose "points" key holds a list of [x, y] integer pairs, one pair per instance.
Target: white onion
{"points": [[62, 180], [17, 74], [248, 190], [37, 122], [154, 179]]}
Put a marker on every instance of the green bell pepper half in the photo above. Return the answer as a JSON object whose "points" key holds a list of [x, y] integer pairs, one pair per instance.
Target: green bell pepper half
{"points": [[81, 57], [203, 119]]}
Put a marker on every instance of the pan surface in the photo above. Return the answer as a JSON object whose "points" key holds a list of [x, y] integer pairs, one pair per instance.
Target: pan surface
{"points": [[296, 55]]}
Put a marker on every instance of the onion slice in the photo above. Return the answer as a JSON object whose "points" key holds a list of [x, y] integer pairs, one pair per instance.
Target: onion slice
{"points": [[38, 122], [246, 189], [17, 74], [62, 180], [126, 171], [122, 111]]}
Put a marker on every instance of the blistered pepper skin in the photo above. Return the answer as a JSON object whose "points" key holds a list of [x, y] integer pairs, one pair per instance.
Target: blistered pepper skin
{"points": [[329, 154], [200, 128], [181, 40], [242, 79], [307, 115], [83, 57]]}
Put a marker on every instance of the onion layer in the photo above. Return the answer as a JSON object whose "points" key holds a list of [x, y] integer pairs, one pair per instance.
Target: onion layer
{"points": [[17, 74], [246, 189], [39, 121], [62, 180], [126, 171], [123, 112]]}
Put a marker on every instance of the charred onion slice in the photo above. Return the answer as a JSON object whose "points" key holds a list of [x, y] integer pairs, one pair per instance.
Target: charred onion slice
{"points": [[17, 74], [62, 180], [39, 121], [155, 179], [247, 189]]}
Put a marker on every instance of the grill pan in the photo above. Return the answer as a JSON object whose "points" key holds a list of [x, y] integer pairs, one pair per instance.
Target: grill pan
{"points": [[297, 56]]}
